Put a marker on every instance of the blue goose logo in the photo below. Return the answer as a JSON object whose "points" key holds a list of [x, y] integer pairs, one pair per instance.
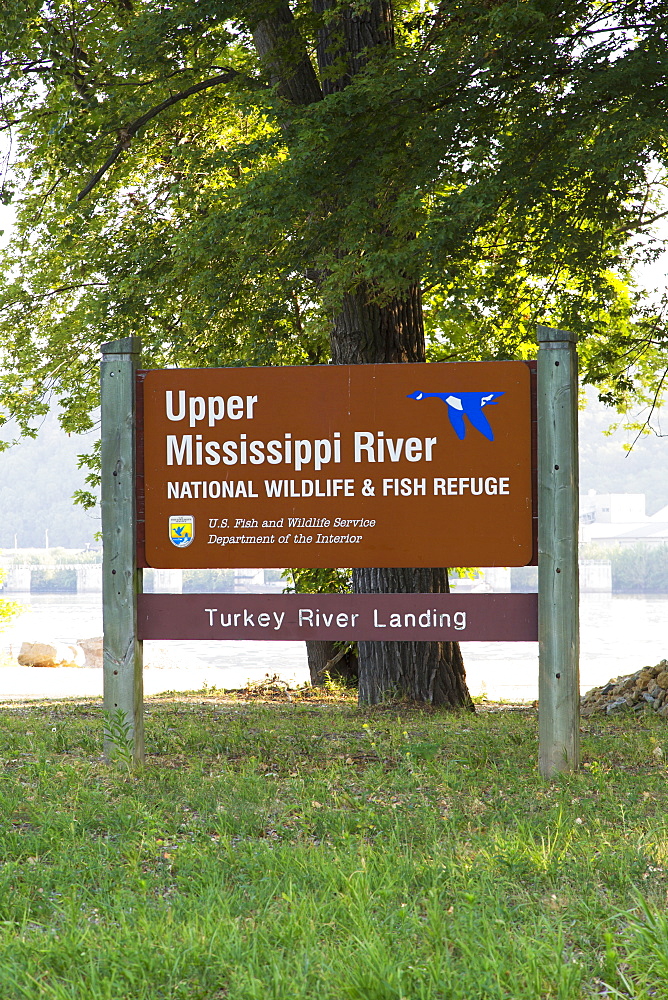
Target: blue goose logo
{"points": [[465, 404]]}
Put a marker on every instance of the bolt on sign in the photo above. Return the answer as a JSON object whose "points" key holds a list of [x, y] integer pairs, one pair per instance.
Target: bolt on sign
{"points": [[336, 465]]}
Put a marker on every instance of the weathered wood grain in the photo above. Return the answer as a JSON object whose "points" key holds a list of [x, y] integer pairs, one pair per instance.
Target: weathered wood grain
{"points": [[558, 583], [121, 577]]}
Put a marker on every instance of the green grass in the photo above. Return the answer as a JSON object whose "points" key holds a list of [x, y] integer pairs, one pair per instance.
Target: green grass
{"points": [[271, 851]]}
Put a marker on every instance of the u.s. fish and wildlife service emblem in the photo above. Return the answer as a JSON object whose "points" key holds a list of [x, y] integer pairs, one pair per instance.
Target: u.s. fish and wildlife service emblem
{"points": [[181, 530]]}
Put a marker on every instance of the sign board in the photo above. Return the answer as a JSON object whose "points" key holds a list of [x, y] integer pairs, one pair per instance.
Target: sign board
{"points": [[363, 465], [283, 617], [389, 465]]}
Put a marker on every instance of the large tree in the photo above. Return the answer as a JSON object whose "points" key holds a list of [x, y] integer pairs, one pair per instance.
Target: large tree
{"points": [[274, 182], [366, 327]]}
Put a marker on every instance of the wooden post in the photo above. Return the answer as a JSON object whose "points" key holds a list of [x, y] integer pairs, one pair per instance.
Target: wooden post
{"points": [[558, 583], [121, 578]]}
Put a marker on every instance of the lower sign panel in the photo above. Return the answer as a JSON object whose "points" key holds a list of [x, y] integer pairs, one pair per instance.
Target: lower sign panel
{"points": [[405, 617]]}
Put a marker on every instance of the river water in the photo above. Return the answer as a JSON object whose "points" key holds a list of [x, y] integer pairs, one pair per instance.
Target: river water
{"points": [[619, 634]]}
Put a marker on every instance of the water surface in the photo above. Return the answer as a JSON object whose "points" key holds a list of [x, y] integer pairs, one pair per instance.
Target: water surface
{"points": [[619, 634]]}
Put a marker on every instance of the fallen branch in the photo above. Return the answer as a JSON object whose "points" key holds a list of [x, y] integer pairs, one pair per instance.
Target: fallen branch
{"points": [[335, 659]]}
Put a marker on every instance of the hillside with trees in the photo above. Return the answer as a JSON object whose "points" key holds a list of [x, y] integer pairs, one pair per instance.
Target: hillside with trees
{"points": [[617, 459], [38, 477]]}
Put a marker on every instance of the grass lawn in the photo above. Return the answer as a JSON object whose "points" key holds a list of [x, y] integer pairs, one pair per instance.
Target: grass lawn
{"points": [[279, 850]]}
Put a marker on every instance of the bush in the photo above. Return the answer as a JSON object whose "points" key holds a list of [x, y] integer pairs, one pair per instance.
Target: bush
{"points": [[8, 609], [640, 569], [54, 581], [208, 581]]}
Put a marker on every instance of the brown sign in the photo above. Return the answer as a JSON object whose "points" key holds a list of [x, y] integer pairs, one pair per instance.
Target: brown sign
{"points": [[444, 617], [363, 465]]}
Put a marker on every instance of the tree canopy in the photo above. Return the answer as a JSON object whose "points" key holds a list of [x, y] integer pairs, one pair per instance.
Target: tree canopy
{"points": [[215, 177]]}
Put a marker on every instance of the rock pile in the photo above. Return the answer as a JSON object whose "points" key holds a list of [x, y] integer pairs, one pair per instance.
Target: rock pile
{"points": [[647, 688]]}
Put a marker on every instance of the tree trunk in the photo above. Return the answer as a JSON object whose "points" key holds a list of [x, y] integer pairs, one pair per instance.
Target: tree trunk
{"points": [[343, 40], [433, 672], [322, 661], [281, 49], [366, 332]]}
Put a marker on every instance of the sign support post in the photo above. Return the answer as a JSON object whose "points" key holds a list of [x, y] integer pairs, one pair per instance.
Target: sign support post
{"points": [[558, 581], [121, 577]]}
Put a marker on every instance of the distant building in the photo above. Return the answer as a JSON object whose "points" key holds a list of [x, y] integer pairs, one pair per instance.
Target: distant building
{"points": [[612, 508], [620, 519]]}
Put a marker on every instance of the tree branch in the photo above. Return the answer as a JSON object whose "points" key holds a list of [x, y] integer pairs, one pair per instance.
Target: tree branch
{"points": [[281, 49], [636, 227], [339, 656], [653, 406], [129, 131]]}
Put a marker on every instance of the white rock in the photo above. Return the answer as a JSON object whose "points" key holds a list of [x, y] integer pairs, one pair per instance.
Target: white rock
{"points": [[50, 654], [92, 649]]}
